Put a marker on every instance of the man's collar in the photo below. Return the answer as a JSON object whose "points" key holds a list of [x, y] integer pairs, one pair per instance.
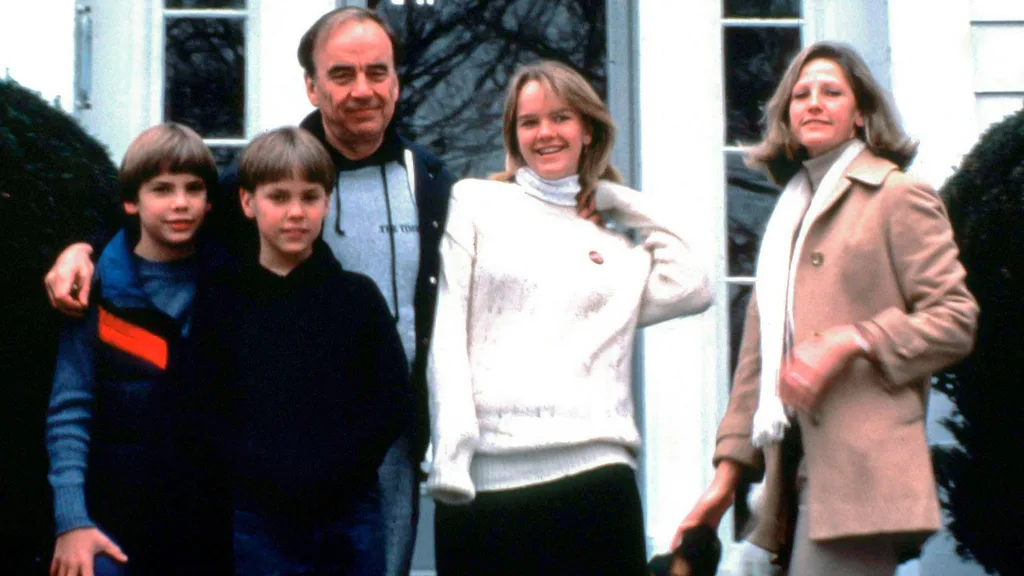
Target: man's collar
{"points": [[390, 150]]}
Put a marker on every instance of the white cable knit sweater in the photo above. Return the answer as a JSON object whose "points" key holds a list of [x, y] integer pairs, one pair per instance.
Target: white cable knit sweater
{"points": [[530, 366]]}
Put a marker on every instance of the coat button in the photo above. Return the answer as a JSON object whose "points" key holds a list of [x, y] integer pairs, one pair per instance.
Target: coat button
{"points": [[435, 224], [425, 341], [817, 258], [432, 280]]}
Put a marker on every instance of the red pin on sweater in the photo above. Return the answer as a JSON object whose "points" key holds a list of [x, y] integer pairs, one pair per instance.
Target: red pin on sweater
{"points": [[596, 257]]}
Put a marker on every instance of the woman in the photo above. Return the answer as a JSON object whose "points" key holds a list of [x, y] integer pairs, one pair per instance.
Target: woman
{"points": [[534, 438], [859, 298]]}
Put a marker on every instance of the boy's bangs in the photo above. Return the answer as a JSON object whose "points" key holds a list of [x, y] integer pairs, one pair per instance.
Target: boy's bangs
{"points": [[285, 154]]}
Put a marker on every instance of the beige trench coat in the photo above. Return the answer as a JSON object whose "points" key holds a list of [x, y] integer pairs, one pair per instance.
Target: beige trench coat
{"points": [[881, 256]]}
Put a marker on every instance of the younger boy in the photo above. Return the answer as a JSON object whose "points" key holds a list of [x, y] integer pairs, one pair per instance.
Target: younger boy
{"points": [[108, 427], [307, 370]]}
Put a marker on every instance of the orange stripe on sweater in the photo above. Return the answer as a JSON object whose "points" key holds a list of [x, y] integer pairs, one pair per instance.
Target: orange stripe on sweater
{"points": [[132, 339]]}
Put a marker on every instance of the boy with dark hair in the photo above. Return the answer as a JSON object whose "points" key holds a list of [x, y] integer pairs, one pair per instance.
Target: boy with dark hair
{"points": [[305, 370], [109, 428]]}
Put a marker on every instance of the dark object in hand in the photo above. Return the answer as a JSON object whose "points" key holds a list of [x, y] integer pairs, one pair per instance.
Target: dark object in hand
{"points": [[698, 554]]}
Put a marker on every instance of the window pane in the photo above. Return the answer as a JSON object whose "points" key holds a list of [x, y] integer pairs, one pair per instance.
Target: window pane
{"points": [[459, 56], [207, 4], [205, 68], [755, 59], [750, 198], [225, 155], [761, 8]]}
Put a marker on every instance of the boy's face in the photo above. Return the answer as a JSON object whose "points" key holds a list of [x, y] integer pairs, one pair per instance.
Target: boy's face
{"points": [[289, 215], [170, 208]]}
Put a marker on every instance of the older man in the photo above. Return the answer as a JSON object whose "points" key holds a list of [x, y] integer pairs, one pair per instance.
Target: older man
{"points": [[385, 220]]}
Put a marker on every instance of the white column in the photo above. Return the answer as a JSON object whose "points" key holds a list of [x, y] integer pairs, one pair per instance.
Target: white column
{"points": [[862, 24], [681, 124], [932, 81]]}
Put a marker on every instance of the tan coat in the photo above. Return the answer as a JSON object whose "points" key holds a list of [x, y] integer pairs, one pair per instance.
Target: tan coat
{"points": [[880, 256]]}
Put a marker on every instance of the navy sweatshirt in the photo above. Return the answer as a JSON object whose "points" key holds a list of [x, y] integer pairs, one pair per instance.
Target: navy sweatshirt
{"points": [[302, 382]]}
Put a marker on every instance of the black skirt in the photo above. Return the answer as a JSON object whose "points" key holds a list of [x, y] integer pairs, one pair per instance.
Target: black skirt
{"points": [[590, 523]]}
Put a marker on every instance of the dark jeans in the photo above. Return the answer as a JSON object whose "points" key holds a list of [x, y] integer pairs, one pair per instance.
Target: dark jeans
{"points": [[104, 565], [590, 523], [351, 545]]}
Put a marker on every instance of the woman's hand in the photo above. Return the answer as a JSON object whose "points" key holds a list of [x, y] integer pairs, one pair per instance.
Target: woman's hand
{"points": [[76, 549], [586, 207], [714, 502], [813, 365]]}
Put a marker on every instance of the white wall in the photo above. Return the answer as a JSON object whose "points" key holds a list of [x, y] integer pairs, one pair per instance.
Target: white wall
{"points": [[997, 36], [275, 29], [954, 71], [37, 47]]}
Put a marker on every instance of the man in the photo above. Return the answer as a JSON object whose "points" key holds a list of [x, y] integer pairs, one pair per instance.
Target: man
{"points": [[385, 220]]}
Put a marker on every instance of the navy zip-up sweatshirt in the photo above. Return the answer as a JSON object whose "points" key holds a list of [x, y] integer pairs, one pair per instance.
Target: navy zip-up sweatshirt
{"points": [[304, 381]]}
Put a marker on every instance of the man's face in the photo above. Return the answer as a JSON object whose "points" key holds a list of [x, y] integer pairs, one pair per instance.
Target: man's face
{"points": [[355, 86]]}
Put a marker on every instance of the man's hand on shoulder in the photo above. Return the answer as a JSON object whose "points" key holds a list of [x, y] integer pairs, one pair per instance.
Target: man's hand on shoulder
{"points": [[69, 281]]}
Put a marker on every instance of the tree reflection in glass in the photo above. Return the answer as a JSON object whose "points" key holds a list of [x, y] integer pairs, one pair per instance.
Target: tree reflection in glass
{"points": [[755, 60], [206, 4], [459, 56], [205, 75], [761, 8]]}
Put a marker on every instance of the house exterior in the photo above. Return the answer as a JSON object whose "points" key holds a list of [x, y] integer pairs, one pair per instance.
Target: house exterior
{"points": [[684, 80]]}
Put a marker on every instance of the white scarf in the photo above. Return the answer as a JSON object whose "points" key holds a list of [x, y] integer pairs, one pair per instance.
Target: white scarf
{"points": [[776, 276], [561, 192]]}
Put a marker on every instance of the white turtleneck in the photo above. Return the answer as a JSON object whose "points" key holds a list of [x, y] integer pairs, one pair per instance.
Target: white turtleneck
{"points": [[530, 365]]}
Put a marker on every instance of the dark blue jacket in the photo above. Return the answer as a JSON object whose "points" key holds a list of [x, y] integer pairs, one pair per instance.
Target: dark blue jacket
{"points": [[307, 383], [111, 422]]}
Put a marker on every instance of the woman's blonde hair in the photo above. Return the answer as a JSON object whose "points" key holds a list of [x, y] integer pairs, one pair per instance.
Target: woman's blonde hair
{"points": [[571, 87], [780, 155]]}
